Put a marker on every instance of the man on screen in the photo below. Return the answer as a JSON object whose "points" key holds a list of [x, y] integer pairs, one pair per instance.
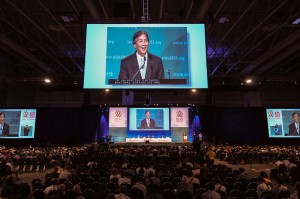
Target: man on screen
{"points": [[26, 130], [4, 128], [141, 64], [147, 123], [294, 127]]}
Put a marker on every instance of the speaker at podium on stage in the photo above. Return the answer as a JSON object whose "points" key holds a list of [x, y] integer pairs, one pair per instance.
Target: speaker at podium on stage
{"points": [[185, 138]]}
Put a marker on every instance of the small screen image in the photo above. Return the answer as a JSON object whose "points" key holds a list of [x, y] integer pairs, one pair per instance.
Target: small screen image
{"points": [[149, 119]]}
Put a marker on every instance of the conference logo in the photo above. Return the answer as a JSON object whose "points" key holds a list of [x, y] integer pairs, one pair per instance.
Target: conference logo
{"points": [[274, 114], [28, 115], [118, 116], [179, 116]]}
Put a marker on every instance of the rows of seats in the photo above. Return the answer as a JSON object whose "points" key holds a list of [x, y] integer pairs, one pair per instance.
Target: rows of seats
{"points": [[141, 172]]}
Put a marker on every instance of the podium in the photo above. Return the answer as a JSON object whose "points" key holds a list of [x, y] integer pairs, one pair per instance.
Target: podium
{"points": [[185, 138]]}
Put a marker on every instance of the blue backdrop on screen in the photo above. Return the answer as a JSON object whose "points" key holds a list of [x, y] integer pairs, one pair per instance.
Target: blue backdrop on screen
{"points": [[168, 43]]}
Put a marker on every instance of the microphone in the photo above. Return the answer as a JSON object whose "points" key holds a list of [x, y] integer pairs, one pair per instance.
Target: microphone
{"points": [[141, 67], [168, 71]]}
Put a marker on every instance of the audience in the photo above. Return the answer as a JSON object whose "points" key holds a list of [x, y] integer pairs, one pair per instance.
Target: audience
{"points": [[151, 172]]}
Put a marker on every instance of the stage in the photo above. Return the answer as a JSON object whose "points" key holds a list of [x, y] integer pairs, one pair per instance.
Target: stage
{"points": [[150, 144], [146, 140]]}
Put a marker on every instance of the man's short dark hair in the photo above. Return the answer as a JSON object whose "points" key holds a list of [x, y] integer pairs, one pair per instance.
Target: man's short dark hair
{"points": [[138, 34], [295, 113], [1, 113], [147, 111]]}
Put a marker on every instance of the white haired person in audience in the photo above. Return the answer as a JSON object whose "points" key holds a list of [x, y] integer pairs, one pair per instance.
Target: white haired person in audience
{"points": [[262, 187], [296, 195]]}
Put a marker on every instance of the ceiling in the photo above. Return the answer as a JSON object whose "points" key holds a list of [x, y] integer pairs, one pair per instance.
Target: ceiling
{"points": [[40, 38]]}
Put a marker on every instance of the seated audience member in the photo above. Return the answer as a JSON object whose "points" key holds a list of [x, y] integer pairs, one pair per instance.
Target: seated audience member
{"points": [[53, 186], [54, 173], [279, 186], [211, 193], [296, 195], [219, 186], [196, 169], [125, 179], [149, 169], [115, 174], [122, 193], [184, 194], [139, 185], [65, 173], [152, 179], [264, 176], [185, 185], [154, 192], [262, 186]]}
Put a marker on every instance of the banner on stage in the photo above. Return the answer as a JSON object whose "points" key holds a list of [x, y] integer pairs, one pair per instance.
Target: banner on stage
{"points": [[180, 117], [118, 117]]}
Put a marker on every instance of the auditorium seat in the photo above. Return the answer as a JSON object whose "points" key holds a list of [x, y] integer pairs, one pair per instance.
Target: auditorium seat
{"points": [[167, 185], [240, 186], [252, 193], [285, 194], [252, 185], [112, 187]]}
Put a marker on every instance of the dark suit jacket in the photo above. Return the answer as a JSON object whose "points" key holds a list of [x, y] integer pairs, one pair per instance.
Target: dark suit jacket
{"points": [[5, 130], [292, 129], [145, 126], [129, 67], [26, 131]]}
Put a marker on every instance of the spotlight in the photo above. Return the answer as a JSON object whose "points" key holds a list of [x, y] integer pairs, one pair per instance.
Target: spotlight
{"points": [[194, 90], [248, 81], [47, 80], [107, 90]]}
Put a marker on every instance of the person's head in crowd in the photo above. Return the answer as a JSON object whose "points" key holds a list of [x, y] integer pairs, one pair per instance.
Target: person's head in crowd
{"points": [[268, 195], [184, 194], [80, 197], [263, 174], [279, 181], [242, 170], [24, 190], [151, 175], [137, 193], [61, 189], [52, 194], [123, 189], [77, 189], [196, 165], [39, 194], [210, 186], [260, 180], [189, 173], [154, 188]]}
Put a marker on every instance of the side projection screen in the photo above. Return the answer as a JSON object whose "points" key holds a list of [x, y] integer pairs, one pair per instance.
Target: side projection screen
{"points": [[17, 123]]}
